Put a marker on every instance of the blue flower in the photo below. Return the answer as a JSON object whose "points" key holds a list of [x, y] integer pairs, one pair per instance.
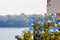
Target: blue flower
{"points": [[32, 19], [39, 21], [48, 21], [53, 18], [51, 30], [56, 29], [53, 15], [31, 23], [40, 28], [42, 32], [57, 22], [42, 21]]}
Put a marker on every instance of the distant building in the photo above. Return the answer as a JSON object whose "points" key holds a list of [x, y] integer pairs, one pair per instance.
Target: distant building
{"points": [[57, 15]]}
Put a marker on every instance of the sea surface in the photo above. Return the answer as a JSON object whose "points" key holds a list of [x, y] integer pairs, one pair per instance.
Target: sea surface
{"points": [[10, 33]]}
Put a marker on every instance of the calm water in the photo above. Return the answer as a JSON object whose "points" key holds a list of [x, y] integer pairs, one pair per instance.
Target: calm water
{"points": [[10, 33]]}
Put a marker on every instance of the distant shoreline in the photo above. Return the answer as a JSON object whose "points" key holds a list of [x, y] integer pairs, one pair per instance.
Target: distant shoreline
{"points": [[14, 27]]}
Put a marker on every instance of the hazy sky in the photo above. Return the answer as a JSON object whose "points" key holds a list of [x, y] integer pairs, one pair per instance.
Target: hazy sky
{"points": [[13, 7]]}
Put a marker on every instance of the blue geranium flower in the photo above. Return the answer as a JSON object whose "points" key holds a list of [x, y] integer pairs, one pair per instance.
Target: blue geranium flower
{"points": [[41, 28], [53, 14], [51, 30], [32, 19], [48, 21], [57, 21], [42, 32], [31, 23], [39, 21], [56, 29], [42, 21]]}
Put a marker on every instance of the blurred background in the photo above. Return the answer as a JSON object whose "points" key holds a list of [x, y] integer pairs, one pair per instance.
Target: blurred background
{"points": [[15, 15]]}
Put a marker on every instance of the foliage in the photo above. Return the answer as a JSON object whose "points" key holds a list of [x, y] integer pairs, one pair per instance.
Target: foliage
{"points": [[46, 28], [26, 35]]}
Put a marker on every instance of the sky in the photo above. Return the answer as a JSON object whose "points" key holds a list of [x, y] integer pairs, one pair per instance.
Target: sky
{"points": [[16, 7]]}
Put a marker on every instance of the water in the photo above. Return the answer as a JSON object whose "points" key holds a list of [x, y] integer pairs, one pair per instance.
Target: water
{"points": [[10, 33]]}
